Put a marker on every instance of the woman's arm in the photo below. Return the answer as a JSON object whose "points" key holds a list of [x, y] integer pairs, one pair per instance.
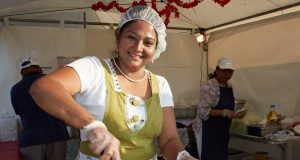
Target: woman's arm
{"points": [[216, 112], [169, 141], [53, 93], [208, 97], [207, 100]]}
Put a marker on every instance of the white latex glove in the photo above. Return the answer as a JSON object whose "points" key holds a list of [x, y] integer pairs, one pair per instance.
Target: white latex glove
{"points": [[189, 158], [102, 142], [184, 155]]}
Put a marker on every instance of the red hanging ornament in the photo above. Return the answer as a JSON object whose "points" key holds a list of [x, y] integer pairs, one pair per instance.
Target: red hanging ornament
{"points": [[153, 5], [167, 11], [142, 2], [187, 4], [119, 8], [222, 2], [95, 7]]}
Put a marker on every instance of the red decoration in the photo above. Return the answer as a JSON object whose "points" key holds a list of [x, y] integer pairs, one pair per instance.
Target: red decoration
{"points": [[167, 11], [142, 2], [222, 2], [187, 4]]}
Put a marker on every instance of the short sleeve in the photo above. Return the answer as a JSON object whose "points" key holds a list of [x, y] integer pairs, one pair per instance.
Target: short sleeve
{"points": [[165, 93], [89, 70]]}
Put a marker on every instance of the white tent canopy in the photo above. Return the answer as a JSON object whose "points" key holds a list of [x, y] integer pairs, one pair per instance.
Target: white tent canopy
{"points": [[265, 50], [207, 14]]}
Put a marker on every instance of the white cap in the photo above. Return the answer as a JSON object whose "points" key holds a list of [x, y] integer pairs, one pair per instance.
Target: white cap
{"points": [[152, 17], [226, 63], [25, 62]]}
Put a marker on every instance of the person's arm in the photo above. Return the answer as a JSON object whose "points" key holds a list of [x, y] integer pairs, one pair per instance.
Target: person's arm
{"points": [[216, 112], [53, 93], [169, 141], [15, 102], [222, 112], [207, 96]]}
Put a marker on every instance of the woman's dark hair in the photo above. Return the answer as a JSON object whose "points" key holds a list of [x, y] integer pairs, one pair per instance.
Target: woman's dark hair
{"points": [[214, 74]]}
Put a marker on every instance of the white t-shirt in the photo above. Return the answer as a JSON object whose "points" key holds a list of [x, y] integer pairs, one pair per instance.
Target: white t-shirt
{"points": [[93, 90]]}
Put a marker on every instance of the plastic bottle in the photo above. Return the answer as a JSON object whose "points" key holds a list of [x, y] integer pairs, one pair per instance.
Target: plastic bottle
{"points": [[273, 117]]}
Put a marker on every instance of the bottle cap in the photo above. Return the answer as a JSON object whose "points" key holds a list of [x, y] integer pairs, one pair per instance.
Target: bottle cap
{"points": [[273, 106]]}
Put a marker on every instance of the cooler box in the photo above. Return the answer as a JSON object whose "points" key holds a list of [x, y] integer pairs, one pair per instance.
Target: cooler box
{"points": [[262, 130]]}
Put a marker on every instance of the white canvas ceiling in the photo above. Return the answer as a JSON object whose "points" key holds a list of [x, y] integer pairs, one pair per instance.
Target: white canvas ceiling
{"points": [[206, 14]]}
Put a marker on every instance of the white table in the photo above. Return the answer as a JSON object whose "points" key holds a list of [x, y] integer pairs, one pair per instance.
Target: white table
{"points": [[282, 143]]}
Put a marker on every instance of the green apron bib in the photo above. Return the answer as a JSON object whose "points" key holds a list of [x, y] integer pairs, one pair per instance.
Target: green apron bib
{"points": [[136, 140]]}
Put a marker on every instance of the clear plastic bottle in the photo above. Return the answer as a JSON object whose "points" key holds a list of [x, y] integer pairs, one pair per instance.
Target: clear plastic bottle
{"points": [[273, 117]]}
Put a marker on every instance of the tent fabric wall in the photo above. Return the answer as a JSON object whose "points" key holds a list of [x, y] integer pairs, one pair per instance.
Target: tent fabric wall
{"points": [[268, 62], [179, 64]]}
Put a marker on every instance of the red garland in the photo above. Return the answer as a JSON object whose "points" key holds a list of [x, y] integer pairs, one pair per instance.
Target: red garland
{"points": [[153, 2], [222, 2], [142, 2], [119, 8], [187, 4], [169, 8]]}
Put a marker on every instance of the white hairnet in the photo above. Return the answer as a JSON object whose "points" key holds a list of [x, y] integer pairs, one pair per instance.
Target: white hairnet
{"points": [[151, 16]]}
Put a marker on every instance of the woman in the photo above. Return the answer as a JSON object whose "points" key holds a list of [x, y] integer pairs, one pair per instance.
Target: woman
{"points": [[215, 112], [120, 106]]}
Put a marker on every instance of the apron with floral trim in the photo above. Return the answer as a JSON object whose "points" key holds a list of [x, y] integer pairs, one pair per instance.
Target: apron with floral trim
{"points": [[131, 119]]}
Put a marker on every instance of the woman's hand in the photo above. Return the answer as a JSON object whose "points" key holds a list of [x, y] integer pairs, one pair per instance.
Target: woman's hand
{"points": [[104, 144], [228, 113], [239, 114]]}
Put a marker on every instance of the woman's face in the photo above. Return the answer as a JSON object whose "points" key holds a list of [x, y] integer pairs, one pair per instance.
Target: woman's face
{"points": [[224, 75], [136, 44]]}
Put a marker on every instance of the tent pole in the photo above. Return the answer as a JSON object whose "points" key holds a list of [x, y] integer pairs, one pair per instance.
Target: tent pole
{"points": [[84, 20], [205, 48]]}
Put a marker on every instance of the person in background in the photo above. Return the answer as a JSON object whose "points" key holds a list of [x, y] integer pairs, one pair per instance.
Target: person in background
{"points": [[43, 137], [215, 112], [120, 107]]}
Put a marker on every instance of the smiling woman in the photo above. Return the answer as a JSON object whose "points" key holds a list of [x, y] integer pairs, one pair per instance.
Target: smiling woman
{"points": [[120, 107]]}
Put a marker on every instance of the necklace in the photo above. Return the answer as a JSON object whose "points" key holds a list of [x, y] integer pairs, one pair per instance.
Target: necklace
{"points": [[128, 78]]}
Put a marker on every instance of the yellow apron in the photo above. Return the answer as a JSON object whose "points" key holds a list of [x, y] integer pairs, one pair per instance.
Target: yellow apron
{"points": [[136, 134]]}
